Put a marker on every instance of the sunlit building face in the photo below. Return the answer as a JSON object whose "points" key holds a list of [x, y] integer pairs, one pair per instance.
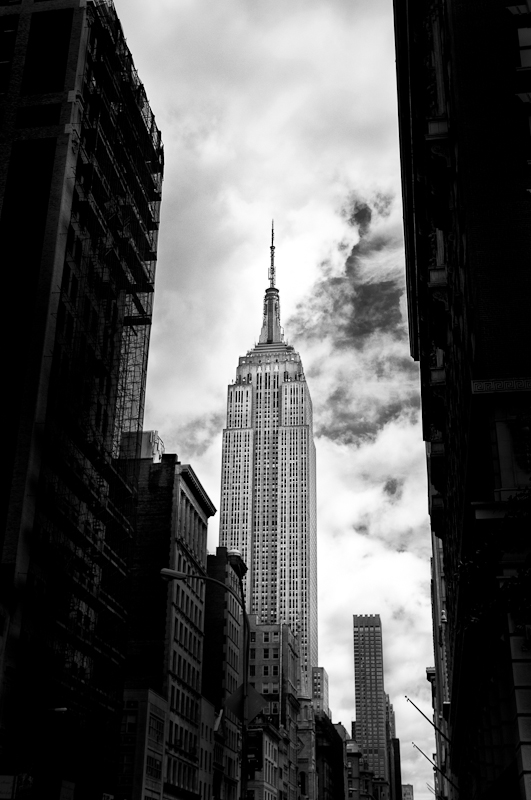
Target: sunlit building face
{"points": [[268, 500]]}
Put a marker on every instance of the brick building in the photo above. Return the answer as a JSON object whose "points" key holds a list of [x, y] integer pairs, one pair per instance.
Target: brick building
{"points": [[160, 749]]}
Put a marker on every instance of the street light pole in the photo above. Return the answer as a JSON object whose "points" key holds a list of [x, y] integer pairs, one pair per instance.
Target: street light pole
{"points": [[240, 569]]}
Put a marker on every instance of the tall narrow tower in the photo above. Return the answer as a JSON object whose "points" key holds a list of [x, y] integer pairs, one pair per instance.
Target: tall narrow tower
{"points": [[370, 694], [268, 481]]}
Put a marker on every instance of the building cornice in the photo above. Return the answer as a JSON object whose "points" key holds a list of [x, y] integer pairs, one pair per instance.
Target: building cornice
{"points": [[195, 486], [495, 385]]}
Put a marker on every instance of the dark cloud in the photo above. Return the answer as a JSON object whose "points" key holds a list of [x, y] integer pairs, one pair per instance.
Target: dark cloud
{"points": [[358, 212], [352, 307], [349, 311], [393, 487], [367, 247], [404, 542], [366, 381], [376, 307], [360, 216], [401, 540], [195, 437], [400, 613], [351, 422], [405, 616], [383, 203]]}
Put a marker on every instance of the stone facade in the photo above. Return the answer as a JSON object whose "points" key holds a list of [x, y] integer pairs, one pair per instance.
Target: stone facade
{"points": [[464, 91]]}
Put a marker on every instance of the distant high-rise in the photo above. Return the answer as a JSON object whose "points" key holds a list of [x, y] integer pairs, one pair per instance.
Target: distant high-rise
{"points": [[268, 503], [369, 693], [320, 690], [81, 166]]}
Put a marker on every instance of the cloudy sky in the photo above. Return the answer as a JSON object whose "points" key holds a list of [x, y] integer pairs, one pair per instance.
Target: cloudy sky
{"points": [[280, 109]]}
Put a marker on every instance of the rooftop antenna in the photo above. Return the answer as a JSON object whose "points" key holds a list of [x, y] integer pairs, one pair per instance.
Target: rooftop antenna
{"points": [[272, 248]]}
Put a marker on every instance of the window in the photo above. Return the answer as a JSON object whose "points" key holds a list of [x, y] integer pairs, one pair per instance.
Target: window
{"points": [[156, 728], [129, 723], [266, 652], [154, 767], [524, 40]]}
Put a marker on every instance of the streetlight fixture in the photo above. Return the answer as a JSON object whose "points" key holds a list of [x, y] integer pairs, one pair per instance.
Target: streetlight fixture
{"points": [[240, 568]]}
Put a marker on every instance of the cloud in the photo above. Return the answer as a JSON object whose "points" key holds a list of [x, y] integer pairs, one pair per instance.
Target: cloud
{"points": [[364, 299], [352, 324], [393, 488], [358, 214], [280, 110], [197, 435]]}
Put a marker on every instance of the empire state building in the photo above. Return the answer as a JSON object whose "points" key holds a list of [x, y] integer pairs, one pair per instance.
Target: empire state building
{"points": [[268, 499]]}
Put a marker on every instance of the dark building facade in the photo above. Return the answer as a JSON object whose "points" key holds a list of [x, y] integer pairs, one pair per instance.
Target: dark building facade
{"points": [[393, 752], [354, 766], [223, 671], [395, 769], [320, 690], [80, 187], [464, 93], [160, 746], [274, 673], [331, 759], [307, 753]]}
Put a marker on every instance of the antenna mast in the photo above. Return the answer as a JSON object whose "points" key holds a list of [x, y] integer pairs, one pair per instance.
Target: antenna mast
{"points": [[272, 248]]}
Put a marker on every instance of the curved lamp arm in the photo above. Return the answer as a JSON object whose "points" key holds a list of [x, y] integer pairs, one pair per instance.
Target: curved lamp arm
{"points": [[172, 575]]}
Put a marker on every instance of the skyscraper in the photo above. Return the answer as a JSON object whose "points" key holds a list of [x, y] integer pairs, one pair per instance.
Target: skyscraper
{"points": [[370, 694], [268, 482]]}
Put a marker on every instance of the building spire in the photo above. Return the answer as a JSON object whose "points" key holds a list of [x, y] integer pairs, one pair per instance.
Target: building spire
{"points": [[272, 248], [272, 332]]}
